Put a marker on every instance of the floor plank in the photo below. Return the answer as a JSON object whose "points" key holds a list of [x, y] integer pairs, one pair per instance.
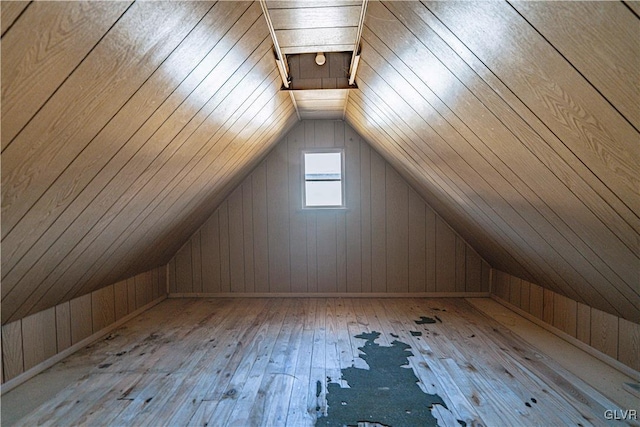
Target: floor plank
{"points": [[255, 361]]}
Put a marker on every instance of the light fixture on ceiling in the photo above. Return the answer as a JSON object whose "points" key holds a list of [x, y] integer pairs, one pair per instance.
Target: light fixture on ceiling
{"points": [[320, 58]]}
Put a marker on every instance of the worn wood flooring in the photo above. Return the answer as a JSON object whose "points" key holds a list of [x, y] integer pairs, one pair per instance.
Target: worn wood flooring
{"points": [[266, 362]]}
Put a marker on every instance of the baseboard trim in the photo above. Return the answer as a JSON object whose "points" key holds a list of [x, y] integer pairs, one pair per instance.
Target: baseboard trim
{"points": [[32, 372], [572, 340], [331, 295]]}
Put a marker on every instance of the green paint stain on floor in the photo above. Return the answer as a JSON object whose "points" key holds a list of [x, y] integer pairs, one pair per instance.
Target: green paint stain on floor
{"points": [[387, 393], [425, 320]]}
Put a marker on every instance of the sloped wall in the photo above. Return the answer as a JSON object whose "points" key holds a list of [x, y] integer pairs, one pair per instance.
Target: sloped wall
{"points": [[513, 120], [122, 123], [387, 241]]}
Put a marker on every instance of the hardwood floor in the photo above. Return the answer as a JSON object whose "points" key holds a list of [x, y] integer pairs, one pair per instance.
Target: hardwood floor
{"points": [[255, 362]]}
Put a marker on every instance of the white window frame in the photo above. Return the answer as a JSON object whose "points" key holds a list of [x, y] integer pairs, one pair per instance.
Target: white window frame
{"points": [[341, 151]]}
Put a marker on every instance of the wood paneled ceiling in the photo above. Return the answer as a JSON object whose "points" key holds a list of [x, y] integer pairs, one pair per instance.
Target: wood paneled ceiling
{"points": [[125, 124], [315, 26], [519, 123]]}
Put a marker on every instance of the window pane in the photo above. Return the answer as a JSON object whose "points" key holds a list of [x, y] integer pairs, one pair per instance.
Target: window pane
{"points": [[322, 166], [323, 193]]}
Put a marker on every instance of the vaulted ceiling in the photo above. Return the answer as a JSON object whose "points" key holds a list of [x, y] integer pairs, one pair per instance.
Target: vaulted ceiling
{"points": [[125, 124]]}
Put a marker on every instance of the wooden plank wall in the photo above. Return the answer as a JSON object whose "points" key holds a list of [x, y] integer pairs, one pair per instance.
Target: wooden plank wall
{"points": [[387, 241], [34, 339], [609, 334], [519, 123], [122, 124]]}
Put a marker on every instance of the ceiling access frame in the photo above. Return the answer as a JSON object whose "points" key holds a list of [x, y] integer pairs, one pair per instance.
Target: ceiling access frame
{"points": [[281, 62], [355, 57], [283, 66]]}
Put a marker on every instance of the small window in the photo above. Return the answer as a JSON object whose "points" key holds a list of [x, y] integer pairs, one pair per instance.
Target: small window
{"points": [[323, 179]]}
